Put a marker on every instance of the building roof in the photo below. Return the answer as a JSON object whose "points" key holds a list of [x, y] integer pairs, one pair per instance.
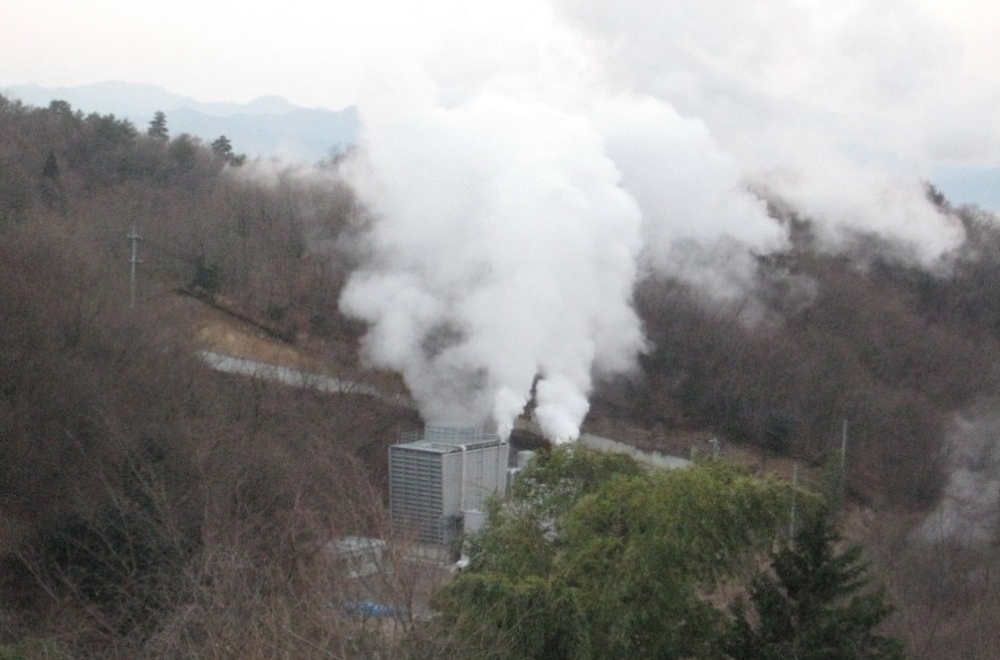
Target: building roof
{"points": [[446, 439]]}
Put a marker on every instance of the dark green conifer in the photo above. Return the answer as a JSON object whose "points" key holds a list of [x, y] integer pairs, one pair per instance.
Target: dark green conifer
{"points": [[158, 126], [815, 604]]}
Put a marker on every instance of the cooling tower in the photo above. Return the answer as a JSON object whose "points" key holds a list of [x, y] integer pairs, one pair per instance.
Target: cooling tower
{"points": [[437, 474]]}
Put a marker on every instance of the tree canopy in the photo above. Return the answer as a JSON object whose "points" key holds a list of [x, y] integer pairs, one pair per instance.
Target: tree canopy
{"points": [[593, 557]]}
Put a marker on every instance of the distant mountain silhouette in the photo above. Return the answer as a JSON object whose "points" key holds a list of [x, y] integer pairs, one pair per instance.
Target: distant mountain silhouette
{"points": [[267, 127]]}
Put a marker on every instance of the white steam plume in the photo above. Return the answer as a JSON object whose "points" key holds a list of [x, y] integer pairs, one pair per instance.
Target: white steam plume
{"points": [[839, 109], [504, 249], [517, 190]]}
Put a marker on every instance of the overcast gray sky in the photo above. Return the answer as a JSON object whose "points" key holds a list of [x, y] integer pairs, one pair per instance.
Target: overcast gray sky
{"points": [[317, 53]]}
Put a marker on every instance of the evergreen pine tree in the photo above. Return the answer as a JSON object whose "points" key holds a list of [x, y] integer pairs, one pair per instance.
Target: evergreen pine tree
{"points": [[815, 604], [222, 147], [158, 126], [50, 184]]}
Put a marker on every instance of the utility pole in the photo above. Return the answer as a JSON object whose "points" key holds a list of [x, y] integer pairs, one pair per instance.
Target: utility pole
{"points": [[134, 259], [843, 463], [792, 521]]}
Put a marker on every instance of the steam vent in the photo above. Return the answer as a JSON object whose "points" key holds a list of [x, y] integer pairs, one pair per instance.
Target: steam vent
{"points": [[439, 480]]}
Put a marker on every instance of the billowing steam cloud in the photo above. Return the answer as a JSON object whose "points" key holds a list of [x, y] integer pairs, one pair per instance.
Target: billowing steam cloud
{"points": [[836, 108], [504, 249], [516, 193]]}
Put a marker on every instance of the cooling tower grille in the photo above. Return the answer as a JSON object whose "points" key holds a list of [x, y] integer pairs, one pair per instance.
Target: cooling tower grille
{"points": [[415, 492]]}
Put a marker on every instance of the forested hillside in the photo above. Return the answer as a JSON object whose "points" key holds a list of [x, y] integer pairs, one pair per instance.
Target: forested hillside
{"points": [[150, 507], [136, 485], [865, 339]]}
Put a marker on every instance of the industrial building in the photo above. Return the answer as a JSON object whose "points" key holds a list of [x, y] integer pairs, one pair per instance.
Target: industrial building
{"points": [[440, 478]]}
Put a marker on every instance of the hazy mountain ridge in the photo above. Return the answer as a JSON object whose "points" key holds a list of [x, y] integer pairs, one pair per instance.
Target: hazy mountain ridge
{"points": [[271, 127], [268, 126]]}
